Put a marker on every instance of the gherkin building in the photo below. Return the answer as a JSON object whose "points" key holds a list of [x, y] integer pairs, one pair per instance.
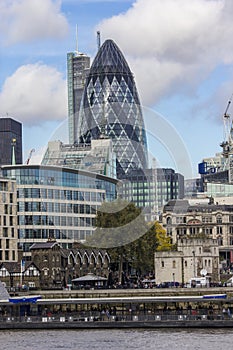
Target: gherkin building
{"points": [[110, 107]]}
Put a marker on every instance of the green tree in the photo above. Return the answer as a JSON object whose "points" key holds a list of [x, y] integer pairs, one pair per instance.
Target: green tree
{"points": [[122, 230]]}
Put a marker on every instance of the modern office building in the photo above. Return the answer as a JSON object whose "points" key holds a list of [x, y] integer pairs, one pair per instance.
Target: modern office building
{"points": [[56, 202], [110, 105], [97, 157], [78, 65], [10, 141], [8, 221], [152, 188]]}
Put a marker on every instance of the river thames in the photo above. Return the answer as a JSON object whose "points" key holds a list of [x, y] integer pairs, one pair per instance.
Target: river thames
{"points": [[115, 339]]}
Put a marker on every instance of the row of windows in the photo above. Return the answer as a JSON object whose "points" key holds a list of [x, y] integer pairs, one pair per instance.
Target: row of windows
{"points": [[44, 194], [6, 220], [56, 207], [56, 220], [72, 235], [206, 263], [7, 243], [63, 178], [196, 230], [205, 219], [7, 255]]}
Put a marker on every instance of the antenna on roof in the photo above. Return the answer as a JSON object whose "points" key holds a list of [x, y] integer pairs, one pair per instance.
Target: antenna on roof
{"points": [[98, 40], [76, 42]]}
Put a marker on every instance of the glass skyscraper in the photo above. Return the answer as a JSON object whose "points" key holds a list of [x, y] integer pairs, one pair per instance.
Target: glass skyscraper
{"points": [[110, 107]]}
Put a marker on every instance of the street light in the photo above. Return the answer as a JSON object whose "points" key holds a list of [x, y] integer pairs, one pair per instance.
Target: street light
{"points": [[194, 264]]}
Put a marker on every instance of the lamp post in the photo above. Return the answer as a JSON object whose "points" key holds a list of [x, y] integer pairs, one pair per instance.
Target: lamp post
{"points": [[194, 264], [173, 278]]}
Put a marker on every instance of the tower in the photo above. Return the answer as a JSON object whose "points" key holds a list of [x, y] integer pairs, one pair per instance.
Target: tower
{"points": [[110, 94], [10, 141], [78, 65]]}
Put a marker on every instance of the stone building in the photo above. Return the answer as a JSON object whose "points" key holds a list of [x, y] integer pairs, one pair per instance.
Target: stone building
{"points": [[202, 218], [8, 221], [59, 266], [192, 257]]}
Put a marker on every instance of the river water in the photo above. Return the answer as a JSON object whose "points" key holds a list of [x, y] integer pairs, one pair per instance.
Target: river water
{"points": [[207, 339]]}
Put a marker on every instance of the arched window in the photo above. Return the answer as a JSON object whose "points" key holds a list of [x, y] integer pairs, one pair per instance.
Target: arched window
{"points": [[219, 219]]}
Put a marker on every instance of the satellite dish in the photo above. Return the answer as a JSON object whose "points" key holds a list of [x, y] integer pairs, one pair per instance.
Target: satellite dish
{"points": [[203, 272]]}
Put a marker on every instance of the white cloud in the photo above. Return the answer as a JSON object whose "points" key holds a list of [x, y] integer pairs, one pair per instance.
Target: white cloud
{"points": [[33, 94], [29, 20], [172, 45]]}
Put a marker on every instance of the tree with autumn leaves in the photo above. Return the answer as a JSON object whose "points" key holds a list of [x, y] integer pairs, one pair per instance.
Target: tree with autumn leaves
{"points": [[123, 232]]}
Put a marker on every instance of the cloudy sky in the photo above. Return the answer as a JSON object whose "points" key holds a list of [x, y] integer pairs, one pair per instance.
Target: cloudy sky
{"points": [[181, 54]]}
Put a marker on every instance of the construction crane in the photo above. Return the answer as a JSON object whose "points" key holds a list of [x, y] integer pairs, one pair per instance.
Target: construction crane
{"points": [[227, 143], [30, 155]]}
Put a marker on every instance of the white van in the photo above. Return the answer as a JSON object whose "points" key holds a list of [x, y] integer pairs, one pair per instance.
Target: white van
{"points": [[198, 282], [229, 283]]}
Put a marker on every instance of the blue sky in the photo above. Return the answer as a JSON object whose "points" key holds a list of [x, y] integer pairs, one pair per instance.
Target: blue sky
{"points": [[180, 52]]}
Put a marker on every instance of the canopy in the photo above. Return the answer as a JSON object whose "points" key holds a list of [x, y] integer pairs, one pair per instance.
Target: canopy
{"points": [[89, 278]]}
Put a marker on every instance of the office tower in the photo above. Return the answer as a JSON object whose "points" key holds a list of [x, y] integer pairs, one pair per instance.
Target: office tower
{"points": [[78, 65], [150, 189], [10, 141], [110, 107], [56, 202]]}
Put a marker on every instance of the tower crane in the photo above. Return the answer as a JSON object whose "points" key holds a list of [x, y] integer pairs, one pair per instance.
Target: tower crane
{"points": [[227, 143], [30, 155]]}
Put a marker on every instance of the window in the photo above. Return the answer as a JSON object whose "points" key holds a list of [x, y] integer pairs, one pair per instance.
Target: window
{"points": [[207, 219], [174, 264], [219, 219], [162, 263]]}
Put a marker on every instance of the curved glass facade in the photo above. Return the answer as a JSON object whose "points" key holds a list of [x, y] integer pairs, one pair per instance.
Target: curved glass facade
{"points": [[57, 202], [110, 106]]}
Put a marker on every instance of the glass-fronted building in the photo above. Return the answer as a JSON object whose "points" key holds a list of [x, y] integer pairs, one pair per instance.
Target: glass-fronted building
{"points": [[151, 189], [110, 105], [55, 202]]}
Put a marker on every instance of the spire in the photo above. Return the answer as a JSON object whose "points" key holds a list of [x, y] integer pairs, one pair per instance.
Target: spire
{"points": [[98, 40], [13, 143], [76, 40]]}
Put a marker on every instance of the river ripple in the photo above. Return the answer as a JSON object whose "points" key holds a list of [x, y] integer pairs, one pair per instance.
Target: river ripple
{"points": [[117, 339]]}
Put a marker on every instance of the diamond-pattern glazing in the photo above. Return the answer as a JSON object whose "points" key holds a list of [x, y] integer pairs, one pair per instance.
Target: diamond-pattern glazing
{"points": [[110, 99]]}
